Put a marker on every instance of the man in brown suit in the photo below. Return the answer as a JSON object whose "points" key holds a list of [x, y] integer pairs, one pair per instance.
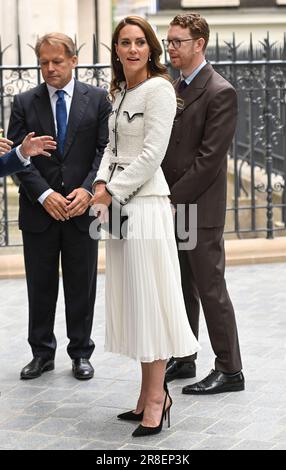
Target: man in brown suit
{"points": [[195, 167]]}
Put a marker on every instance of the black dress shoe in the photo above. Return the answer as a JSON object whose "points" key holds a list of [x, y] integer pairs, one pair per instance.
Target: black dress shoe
{"points": [[180, 370], [82, 369], [217, 382], [36, 367], [131, 416]]}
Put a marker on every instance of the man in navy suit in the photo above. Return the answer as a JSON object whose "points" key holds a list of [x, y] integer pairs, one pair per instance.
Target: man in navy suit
{"points": [[10, 163], [54, 203], [15, 160]]}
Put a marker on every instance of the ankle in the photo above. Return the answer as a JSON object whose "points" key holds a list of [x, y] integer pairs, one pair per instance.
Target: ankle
{"points": [[156, 398], [141, 403]]}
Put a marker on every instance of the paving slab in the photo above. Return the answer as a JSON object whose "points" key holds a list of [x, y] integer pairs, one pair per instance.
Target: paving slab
{"points": [[58, 412]]}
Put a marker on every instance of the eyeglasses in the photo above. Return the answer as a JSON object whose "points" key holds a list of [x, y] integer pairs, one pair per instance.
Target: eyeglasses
{"points": [[176, 43]]}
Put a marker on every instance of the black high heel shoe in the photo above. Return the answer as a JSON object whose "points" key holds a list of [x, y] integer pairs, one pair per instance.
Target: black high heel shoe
{"points": [[148, 431], [131, 416]]}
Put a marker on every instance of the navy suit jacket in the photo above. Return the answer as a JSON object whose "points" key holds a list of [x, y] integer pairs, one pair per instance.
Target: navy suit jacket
{"points": [[87, 136], [10, 164]]}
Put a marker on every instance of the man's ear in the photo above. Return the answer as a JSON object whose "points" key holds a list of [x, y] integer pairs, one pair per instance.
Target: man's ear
{"points": [[200, 44], [74, 61]]}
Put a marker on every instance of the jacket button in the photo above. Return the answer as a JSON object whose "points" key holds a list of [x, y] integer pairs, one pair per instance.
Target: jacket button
{"points": [[177, 141], [114, 151]]}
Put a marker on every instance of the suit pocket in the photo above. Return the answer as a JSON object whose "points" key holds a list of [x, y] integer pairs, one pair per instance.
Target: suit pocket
{"points": [[133, 123], [131, 117]]}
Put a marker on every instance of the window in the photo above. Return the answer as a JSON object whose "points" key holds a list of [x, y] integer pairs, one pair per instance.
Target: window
{"points": [[281, 2]]}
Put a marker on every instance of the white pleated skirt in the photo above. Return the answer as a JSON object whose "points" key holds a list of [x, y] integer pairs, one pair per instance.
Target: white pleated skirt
{"points": [[146, 317]]}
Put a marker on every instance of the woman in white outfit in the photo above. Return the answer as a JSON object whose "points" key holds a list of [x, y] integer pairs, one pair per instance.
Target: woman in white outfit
{"points": [[145, 312]]}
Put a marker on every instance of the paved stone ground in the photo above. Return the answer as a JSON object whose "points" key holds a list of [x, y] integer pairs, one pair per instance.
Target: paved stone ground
{"points": [[58, 412]]}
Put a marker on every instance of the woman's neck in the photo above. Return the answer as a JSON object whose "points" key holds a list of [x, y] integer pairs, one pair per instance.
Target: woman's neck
{"points": [[134, 80]]}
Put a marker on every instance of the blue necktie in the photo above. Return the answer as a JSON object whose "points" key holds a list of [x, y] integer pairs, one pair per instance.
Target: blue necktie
{"points": [[61, 116]]}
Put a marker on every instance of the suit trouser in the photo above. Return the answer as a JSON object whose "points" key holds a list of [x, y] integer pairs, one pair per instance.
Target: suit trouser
{"points": [[78, 252], [203, 278]]}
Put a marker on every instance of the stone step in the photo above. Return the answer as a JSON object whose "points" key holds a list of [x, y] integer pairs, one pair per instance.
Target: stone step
{"points": [[238, 252]]}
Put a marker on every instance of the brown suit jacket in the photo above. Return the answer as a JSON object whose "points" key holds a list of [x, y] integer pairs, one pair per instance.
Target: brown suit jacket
{"points": [[195, 165]]}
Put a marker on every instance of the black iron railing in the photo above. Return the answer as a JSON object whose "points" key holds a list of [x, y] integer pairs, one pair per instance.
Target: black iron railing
{"points": [[257, 195], [258, 74]]}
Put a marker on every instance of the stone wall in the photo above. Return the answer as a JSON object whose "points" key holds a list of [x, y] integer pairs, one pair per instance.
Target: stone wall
{"points": [[33, 18]]}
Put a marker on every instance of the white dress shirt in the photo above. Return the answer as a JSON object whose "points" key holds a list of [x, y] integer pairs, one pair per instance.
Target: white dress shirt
{"points": [[25, 161], [191, 77], [69, 90]]}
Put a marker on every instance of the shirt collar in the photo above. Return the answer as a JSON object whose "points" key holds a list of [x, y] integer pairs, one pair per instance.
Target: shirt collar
{"points": [[191, 77], [69, 89]]}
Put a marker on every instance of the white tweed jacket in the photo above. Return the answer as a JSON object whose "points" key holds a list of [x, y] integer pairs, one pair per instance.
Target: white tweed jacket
{"points": [[140, 126]]}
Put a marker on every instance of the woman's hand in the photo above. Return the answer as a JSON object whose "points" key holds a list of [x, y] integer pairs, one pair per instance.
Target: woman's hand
{"points": [[100, 203], [33, 146], [5, 144]]}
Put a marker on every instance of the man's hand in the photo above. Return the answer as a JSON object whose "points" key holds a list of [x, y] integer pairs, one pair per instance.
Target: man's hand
{"points": [[5, 144], [80, 201], [57, 206], [33, 146]]}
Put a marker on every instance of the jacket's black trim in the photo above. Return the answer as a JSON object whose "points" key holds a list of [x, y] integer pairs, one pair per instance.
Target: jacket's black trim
{"points": [[130, 119]]}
